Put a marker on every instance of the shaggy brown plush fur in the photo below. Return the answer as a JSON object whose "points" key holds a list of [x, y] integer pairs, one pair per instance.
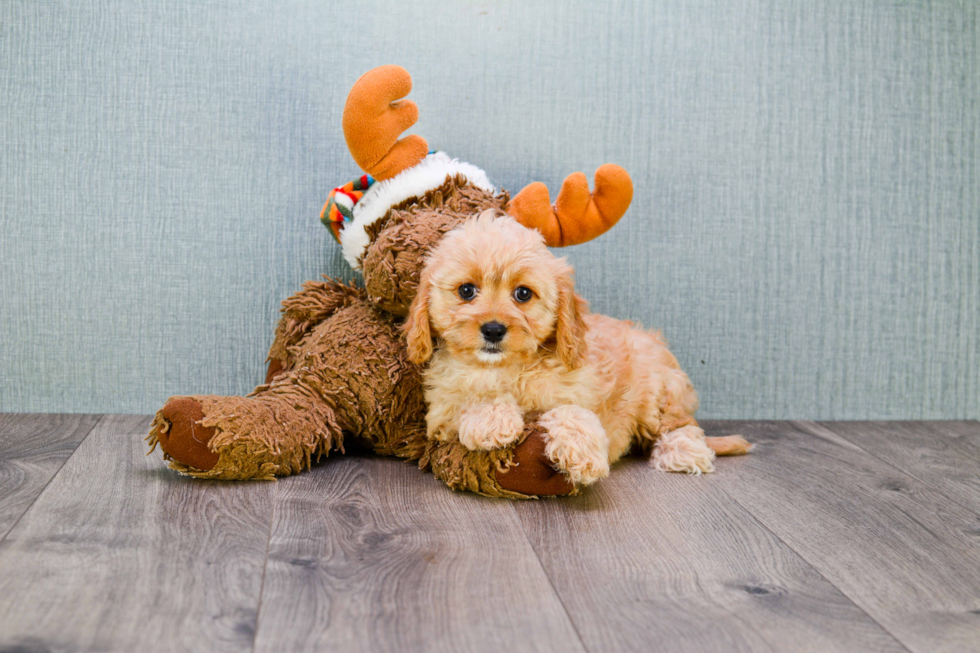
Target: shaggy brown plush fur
{"points": [[345, 371]]}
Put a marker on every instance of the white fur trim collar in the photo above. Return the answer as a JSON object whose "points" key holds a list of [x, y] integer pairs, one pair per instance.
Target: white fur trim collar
{"points": [[428, 174]]}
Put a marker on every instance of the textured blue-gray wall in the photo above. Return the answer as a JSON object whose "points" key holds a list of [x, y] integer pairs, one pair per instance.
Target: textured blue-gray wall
{"points": [[805, 229]]}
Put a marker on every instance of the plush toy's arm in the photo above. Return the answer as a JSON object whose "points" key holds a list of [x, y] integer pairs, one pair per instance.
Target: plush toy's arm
{"points": [[301, 312]]}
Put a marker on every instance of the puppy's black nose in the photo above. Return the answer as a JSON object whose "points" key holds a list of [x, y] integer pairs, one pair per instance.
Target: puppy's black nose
{"points": [[493, 331]]}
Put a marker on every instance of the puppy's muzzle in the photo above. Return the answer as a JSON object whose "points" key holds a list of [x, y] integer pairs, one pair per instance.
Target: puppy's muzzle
{"points": [[493, 332]]}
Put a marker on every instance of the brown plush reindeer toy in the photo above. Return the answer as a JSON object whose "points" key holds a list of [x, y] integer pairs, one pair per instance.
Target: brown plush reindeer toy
{"points": [[338, 366]]}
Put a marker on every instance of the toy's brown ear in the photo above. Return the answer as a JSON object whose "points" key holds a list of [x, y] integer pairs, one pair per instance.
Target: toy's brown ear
{"points": [[374, 118], [570, 328], [418, 333], [577, 216]]}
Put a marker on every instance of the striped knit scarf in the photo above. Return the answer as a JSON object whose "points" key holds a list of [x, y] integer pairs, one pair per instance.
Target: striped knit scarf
{"points": [[339, 208]]}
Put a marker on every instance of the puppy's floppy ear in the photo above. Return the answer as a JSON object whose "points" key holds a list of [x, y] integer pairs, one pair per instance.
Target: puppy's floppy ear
{"points": [[417, 331], [570, 328]]}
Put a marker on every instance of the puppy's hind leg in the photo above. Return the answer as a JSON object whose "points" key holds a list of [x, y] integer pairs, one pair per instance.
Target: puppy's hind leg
{"points": [[683, 450]]}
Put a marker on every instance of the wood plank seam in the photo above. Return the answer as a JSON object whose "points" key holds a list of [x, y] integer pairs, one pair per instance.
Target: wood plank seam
{"points": [[122, 554], [816, 570], [265, 565], [544, 571], [645, 558], [371, 555], [938, 602], [53, 476], [877, 456]]}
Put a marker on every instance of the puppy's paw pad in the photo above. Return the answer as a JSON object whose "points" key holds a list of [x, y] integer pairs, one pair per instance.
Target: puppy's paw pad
{"points": [[683, 451], [490, 426]]}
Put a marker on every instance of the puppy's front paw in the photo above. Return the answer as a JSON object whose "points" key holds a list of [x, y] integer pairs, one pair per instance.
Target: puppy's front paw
{"points": [[577, 443], [490, 426], [685, 451]]}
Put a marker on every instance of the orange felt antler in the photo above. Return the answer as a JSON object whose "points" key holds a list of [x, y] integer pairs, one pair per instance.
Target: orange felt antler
{"points": [[578, 216], [374, 117]]}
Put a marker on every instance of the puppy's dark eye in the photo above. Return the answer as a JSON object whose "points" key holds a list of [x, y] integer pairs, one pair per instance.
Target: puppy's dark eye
{"points": [[467, 291], [523, 294]]}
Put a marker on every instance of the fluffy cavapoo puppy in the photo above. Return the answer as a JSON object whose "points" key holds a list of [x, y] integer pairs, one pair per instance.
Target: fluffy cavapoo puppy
{"points": [[513, 338]]}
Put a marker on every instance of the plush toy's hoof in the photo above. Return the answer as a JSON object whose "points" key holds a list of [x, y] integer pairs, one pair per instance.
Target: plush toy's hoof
{"points": [[532, 472], [183, 439]]}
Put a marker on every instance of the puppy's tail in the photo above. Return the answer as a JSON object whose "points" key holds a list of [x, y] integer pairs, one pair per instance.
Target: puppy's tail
{"points": [[729, 445]]}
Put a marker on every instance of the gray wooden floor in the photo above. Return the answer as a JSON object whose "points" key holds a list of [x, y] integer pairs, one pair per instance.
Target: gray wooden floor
{"points": [[830, 536]]}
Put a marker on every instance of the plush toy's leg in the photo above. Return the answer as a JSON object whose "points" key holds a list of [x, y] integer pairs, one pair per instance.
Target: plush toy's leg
{"points": [[179, 427], [347, 376], [237, 438]]}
